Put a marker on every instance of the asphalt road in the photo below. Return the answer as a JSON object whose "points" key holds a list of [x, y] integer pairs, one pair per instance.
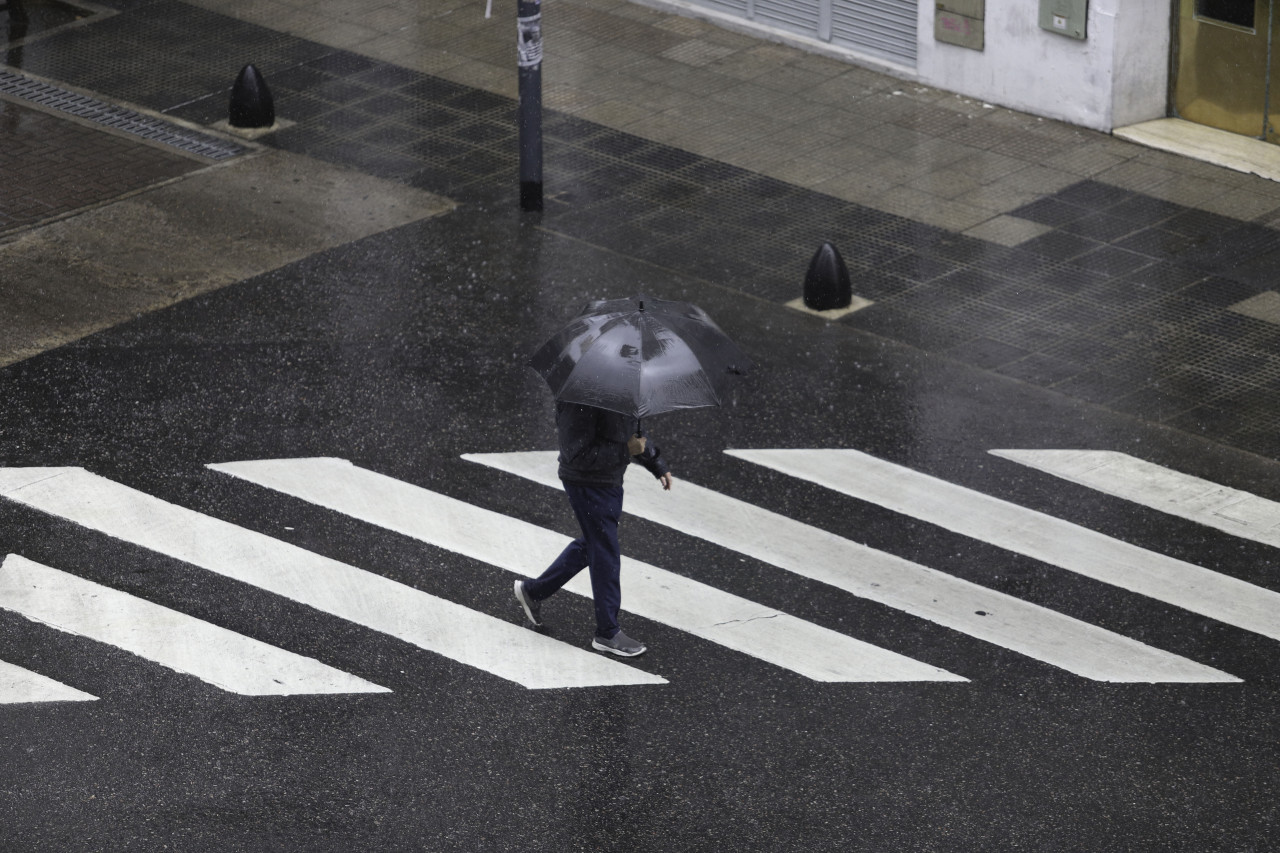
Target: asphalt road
{"points": [[403, 351]]}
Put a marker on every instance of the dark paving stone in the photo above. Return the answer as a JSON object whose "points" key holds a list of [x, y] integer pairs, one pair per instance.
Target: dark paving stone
{"points": [[1157, 242], [916, 331], [1024, 297], [878, 285], [1093, 195], [1083, 349], [391, 136], [1143, 210], [1228, 325], [1230, 249], [1207, 420], [1100, 226], [986, 353], [1199, 225], [1040, 369], [570, 129], [1051, 211], [967, 282], [977, 314], [1262, 269], [1017, 263], [918, 268], [1153, 404], [1112, 261], [387, 104], [1221, 291], [663, 157], [1031, 333], [299, 78], [1060, 246], [1096, 387], [1071, 279], [431, 89], [341, 63], [294, 107], [384, 76], [1165, 277], [1080, 315]]}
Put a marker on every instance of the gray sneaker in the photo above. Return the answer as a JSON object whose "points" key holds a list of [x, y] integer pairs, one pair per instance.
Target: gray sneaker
{"points": [[620, 645], [532, 609]]}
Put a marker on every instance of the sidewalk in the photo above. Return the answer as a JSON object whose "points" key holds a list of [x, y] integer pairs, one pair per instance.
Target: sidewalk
{"points": [[1115, 274]]}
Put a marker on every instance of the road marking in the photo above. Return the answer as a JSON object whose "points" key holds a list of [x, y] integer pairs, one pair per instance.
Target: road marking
{"points": [[225, 659], [432, 623], [19, 686], [1230, 510], [986, 614], [1034, 534], [526, 549]]}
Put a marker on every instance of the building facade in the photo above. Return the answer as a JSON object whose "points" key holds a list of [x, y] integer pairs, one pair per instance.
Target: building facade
{"points": [[1102, 64]]}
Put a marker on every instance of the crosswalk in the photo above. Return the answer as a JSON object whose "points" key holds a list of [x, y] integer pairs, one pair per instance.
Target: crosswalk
{"points": [[759, 634], [958, 604]]}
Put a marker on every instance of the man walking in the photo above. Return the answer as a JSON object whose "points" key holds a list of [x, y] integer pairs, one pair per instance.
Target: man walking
{"points": [[596, 445]]}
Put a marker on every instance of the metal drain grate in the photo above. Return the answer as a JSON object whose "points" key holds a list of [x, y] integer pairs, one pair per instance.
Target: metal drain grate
{"points": [[128, 121]]}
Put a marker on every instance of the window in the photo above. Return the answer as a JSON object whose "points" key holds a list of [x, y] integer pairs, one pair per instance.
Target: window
{"points": [[1237, 12]]}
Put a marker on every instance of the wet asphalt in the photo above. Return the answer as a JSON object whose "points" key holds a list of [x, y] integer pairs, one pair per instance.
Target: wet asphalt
{"points": [[405, 349]]}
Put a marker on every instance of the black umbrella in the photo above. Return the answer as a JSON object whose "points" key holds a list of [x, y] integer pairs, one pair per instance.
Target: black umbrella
{"points": [[640, 357]]}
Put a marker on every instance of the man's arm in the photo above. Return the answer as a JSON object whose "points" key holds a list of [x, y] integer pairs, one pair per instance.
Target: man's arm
{"points": [[647, 454]]}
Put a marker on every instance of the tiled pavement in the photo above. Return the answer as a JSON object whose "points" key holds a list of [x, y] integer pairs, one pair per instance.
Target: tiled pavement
{"points": [[1061, 257], [53, 166]]}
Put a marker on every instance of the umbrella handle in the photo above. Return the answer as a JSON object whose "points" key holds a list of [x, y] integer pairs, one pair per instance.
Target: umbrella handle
{"points": [[639, 429]]}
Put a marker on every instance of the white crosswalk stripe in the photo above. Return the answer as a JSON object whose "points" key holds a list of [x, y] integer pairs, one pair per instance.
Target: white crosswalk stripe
{"points": [[1230, 510], [525, 549], [1034, 534], [22, 686], [986, 614], [432, 623], [225, 659]]}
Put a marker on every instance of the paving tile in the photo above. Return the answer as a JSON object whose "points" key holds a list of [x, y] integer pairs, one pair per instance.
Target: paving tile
{"points": [[986, 353], [1006, 230], [1060, 245], [1263, 306], [1052, 211], [54, 166], [1040, 369]]}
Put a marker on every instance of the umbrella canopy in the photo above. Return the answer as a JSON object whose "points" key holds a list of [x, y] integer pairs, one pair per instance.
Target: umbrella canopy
{"points": [[640, 357]]}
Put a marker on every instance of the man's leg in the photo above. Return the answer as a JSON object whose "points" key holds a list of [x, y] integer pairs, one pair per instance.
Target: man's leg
{"points": [[572, 560], [598, 510]]}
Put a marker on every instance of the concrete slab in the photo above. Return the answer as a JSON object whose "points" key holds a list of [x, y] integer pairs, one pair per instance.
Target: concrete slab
{"points": [[217, 226], [1219, 147]]}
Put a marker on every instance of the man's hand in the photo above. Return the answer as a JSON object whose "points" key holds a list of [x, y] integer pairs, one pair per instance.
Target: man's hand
{"points": [[666, 481], [635, 445]]}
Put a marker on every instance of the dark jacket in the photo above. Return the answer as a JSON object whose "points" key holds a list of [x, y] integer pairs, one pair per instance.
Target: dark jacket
{"points": [[593, 446]]}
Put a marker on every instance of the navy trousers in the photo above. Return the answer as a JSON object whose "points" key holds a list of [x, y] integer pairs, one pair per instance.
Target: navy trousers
{"points": [[597, 509]]}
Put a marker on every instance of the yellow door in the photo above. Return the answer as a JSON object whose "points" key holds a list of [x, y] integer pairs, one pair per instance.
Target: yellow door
{"points": [[1223, 64]]}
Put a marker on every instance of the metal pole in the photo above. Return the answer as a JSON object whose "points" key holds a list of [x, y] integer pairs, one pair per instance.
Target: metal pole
{"points": [[529, 61]]}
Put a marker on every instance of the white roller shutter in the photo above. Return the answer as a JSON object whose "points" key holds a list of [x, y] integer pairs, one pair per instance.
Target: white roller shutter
{"points": [[794, 16], [885, 29]]}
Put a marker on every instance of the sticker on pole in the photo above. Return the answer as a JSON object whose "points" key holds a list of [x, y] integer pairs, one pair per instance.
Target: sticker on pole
{"points": [[529, 43]]}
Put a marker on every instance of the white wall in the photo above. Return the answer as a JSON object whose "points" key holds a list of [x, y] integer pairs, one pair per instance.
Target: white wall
{"points": [[1118, 75]]}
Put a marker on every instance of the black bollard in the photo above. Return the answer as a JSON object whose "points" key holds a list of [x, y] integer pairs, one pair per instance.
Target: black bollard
{"points": [[251, 103], [826, 284]]}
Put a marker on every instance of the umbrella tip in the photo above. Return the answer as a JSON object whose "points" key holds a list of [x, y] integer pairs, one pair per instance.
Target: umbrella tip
{"points": [[641, 304]]}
